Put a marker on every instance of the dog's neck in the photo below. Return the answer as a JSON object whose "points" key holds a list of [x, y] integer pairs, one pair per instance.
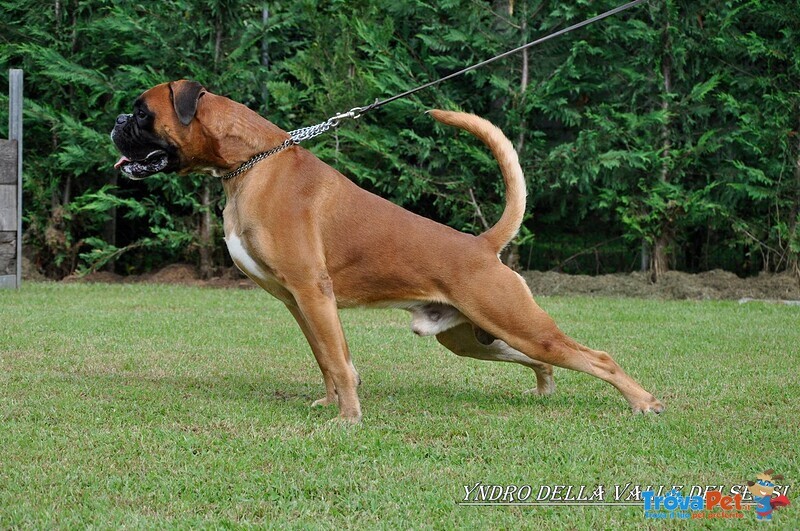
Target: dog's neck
{"points": [[240, 133]]}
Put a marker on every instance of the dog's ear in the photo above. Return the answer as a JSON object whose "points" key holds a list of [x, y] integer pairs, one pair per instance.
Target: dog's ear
{"points": [[185, 95]]}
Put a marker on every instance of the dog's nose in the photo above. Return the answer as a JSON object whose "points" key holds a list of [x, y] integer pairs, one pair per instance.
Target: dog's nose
{"points": [[122, 118]]}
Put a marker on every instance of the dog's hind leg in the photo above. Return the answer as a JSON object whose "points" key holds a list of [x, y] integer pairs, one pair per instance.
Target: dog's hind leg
{"points": [[501, 304], [470, 341]]}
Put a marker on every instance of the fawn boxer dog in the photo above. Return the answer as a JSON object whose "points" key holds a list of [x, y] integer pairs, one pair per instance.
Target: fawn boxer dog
{"points": [[309, 236]]}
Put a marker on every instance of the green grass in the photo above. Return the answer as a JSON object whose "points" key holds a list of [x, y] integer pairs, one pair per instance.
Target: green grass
{"points": [[153, 406]]}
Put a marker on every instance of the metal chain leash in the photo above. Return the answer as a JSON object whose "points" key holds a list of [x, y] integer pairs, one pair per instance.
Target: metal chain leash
{"points": [[295, 137], [306, 133]]}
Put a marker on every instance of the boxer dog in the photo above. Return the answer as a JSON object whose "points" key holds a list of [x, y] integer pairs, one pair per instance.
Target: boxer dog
{"points": [[309, 236]]}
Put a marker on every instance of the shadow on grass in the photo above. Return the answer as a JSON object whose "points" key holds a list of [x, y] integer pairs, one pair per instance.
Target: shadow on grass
{"points": [[295, 396]]}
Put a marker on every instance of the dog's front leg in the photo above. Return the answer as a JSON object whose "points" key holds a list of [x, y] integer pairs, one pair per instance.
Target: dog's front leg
{"points": [[330, 388], [319, 318]]}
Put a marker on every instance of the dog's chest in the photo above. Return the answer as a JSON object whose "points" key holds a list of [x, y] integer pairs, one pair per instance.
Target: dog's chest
{"points": [[241, 257], [250, 267]]}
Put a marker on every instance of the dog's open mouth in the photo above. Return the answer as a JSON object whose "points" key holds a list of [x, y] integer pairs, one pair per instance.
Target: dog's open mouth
{"points": [[154, 162]]}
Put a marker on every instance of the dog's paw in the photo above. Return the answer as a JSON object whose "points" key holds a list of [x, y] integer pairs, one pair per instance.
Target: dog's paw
{"points": [[322, 402], [344, 422], [349, 420], [543, 390], [650, 405], [348, 416]]}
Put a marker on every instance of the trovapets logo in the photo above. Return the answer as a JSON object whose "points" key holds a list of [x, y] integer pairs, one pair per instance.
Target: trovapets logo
{"points": [[762, 495], [763, 491]]}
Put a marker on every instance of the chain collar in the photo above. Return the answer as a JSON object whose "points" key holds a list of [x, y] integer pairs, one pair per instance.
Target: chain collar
{"points": [[295, 137], [258, 158]]}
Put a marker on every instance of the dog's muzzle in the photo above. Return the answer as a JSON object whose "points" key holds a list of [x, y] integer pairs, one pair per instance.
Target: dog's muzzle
{"points": [[142, 153]]}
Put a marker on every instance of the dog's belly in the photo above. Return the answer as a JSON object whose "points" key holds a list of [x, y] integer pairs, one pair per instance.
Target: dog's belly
{"points": [[247, 265], [431, 318], [427, 318]]}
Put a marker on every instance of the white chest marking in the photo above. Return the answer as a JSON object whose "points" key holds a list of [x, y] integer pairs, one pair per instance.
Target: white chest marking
{"points": [[244, 261]]}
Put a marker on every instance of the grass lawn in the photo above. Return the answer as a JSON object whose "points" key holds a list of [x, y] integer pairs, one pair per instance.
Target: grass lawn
{"points": [[155, 405]]}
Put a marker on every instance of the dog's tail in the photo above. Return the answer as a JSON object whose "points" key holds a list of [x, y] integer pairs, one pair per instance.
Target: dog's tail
{"points": [[507, 226]]}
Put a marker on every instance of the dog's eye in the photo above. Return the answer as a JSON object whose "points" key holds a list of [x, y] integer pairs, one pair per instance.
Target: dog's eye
{"points": [[141, 115]]}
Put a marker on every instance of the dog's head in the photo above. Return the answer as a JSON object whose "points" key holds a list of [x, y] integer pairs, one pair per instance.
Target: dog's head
{"points": [[159, 135]]}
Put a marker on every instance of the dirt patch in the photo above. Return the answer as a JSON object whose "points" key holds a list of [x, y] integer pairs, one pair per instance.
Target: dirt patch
{"points": [[183, 274], [173, 274], [98, 276], [674, 285]]}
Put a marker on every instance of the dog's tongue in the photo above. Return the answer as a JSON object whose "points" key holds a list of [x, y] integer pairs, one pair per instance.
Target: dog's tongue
{"points": [[122, 160]]}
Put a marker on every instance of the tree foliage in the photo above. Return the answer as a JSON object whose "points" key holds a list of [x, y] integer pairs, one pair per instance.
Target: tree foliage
{"points": [[673, 126]]}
